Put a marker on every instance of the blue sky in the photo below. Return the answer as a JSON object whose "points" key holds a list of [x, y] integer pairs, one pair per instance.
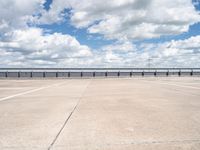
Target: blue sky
{"points": [[96, 40], [100, 33]]}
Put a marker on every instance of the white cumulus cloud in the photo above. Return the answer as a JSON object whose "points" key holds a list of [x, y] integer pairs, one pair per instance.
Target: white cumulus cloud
{"points": [[127, 19], [32, 46], [17, 13], [124, 21]]}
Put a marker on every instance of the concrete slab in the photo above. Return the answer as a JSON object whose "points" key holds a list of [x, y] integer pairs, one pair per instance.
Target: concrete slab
{"points": [[32, 121], [110, 113]]}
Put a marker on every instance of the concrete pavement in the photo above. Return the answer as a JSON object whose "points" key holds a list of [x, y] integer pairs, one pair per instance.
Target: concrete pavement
{"points": [[100, 114]]}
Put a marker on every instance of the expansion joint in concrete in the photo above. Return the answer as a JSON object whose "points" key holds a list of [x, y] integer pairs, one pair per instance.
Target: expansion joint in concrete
{"points": [[68, 118]]}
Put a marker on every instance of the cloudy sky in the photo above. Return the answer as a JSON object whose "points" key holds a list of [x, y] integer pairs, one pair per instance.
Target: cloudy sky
{"points": [[99, 33]]}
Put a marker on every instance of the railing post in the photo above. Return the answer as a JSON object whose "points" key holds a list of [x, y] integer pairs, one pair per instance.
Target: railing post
{"points": [[191, 73], [44, 74], [179, 73], [68, 75], [81, 74]]}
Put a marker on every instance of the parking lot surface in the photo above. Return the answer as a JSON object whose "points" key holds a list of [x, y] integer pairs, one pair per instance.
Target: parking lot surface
{"points": [[100, 114]]}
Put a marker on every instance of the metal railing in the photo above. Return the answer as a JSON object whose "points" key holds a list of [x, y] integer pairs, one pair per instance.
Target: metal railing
{"points": [[95, 72]]}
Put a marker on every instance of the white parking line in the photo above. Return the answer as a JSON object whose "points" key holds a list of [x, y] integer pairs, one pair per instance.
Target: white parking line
{"points": [[29, 91], [183, 86], [12, 88]]}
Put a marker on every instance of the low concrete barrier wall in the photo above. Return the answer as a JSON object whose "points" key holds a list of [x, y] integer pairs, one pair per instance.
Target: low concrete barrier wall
{"points": [[51, 74], [113, 74], [13, 74], [81, 73], [161, 73], [185, 73], [149, 73], [25, 74], [63, 74], [173, 73], [100, 74], [38, 74], [196, 74], [3, 74], [125, 74], [88, 74]]}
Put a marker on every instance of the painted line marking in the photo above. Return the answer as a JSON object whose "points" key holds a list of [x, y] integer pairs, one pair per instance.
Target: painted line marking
{"points": [[194, 82], [184, 86], [11, 88], [29, 91]]}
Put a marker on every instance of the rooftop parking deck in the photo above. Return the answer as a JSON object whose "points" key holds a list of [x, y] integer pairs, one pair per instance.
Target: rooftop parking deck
{"points": [[100, 114]]}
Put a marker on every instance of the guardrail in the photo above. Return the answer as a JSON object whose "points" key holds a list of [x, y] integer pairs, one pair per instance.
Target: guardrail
{"points": [[95, 72]]}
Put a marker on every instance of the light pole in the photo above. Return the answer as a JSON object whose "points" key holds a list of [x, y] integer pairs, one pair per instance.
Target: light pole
{"points": [[150, 59], [149, 62]]}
